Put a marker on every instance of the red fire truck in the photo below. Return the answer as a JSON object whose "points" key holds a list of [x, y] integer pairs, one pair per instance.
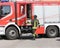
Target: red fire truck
{"points": [[16, 16]]}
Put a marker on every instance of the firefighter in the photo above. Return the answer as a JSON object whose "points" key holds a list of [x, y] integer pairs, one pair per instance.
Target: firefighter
{"points": [[35, 24]]}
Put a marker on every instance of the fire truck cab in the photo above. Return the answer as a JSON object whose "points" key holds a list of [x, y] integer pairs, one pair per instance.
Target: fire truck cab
{"points": [[15, 18]]}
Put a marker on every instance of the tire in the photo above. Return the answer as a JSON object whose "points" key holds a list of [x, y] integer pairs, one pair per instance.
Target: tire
{"points": [[52, 32], [12, 33]]}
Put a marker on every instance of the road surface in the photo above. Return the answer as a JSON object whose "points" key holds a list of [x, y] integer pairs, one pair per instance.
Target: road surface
{"points": [[29, 43]]}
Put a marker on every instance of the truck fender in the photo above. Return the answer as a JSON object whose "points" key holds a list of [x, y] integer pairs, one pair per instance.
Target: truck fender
{"points": [[12, 23]]}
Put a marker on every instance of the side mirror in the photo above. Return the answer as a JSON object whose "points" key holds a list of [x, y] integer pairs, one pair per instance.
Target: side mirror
{"points": [[0, 12]]}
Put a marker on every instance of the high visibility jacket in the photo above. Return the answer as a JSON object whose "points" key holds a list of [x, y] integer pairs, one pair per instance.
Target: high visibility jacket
{"points": [[35, 23]]}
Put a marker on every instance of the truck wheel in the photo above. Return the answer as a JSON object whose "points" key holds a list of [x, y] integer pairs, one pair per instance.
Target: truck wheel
{"points": [[11, 33], [52, 31]]}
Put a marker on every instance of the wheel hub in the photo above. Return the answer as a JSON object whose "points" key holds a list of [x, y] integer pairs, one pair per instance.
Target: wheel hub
{"points": [[12, 33], [52, 32]]}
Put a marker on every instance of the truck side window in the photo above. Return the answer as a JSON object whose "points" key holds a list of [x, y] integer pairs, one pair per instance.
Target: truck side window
{"points": [[4, 10], [22, 9], [29, 11]]}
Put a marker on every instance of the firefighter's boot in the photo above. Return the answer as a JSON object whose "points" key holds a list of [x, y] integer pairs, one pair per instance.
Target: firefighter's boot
{"points": [[33, 36]]}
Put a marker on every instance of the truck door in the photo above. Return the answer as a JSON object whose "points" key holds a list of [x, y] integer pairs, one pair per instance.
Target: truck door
{"points": [[24, 13], [5, 11], [21, 14]]}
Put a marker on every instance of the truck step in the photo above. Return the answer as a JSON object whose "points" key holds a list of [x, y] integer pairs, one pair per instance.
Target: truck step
{"points": [[26, 34]]}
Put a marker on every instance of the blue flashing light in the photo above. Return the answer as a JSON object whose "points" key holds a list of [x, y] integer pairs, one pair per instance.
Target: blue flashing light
{"points": [[4, 0]]}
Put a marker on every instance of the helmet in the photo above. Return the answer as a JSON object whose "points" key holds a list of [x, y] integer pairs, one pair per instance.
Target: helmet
{"points": [[35, 16]]}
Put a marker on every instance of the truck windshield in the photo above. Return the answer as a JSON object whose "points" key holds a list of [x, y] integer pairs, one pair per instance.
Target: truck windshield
{"points": [[4, 10]]}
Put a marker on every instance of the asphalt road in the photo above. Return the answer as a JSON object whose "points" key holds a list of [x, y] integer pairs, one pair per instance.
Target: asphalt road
{"points": [[29, 43]]}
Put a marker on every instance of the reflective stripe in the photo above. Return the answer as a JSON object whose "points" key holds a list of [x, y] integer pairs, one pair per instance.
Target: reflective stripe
{"points": [[19, 18], [33, 35], [34, 27], [28, 22], [35, 24]]}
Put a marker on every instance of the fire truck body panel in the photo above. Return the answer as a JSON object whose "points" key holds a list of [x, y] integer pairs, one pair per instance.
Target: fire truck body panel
{"points": [[47, 13], [2, 31]]}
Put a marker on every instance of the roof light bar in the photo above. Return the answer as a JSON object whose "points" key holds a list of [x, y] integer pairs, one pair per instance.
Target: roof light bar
{"points": [[4, 0]]}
